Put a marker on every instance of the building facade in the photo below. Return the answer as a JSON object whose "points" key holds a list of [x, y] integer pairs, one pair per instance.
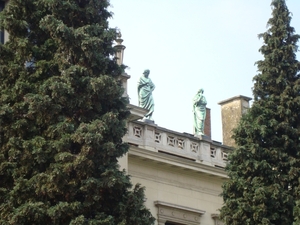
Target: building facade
{"points": [[182, 173]]}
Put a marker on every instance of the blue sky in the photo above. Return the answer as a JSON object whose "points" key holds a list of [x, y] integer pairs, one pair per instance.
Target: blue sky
{"points": [[193, 44]]}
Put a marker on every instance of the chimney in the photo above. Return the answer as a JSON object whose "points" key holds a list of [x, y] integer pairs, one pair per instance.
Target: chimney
{"points": [[207, 125], [232, 110]]}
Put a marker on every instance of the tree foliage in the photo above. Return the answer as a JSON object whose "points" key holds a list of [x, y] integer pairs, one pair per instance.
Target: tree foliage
{"points": [[62, 118], [264, 168]]}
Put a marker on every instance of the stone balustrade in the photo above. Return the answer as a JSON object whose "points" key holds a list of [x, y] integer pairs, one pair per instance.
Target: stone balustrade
{"points": [[158, 139]]}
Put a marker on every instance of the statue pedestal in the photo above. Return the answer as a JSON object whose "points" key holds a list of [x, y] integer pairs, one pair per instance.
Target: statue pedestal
{"points": [[148, 121], [202, 137]]}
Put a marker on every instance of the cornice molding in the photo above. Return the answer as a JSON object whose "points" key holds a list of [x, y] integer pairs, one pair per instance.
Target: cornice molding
{"points": [[136, 112], [184, 163]]}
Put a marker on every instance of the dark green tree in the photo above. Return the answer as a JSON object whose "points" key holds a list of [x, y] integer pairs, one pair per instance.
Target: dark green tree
{"points": [[62, 118], [264, 168]]}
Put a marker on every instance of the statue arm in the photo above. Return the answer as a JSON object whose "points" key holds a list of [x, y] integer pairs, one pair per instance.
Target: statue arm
{"points": [[152, 86], [140, 84], [196, 99], [204, 100]]}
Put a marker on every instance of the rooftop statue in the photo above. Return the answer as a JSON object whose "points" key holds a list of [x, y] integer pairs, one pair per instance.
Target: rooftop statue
{"points": [[199, 109], [145, 88]]}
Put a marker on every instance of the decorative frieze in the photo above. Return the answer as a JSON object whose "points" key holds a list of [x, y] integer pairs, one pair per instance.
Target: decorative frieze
{"points": [[213, 152], [175, 142], [157, 137], [224, 155], [168, 212], [171, 141], [154, 138], [137, 131], [180, 143], [194, 147]]}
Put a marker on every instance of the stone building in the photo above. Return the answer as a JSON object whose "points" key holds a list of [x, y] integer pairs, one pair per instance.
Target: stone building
{"points": [[182, 174]]}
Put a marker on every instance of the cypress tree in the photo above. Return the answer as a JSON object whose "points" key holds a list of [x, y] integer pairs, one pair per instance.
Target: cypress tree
{"points": [[62, 118], [264, 168]]}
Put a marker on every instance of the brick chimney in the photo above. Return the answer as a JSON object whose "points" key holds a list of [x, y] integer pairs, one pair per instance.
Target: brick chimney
{"points": [[207, 125], [232, 110]]}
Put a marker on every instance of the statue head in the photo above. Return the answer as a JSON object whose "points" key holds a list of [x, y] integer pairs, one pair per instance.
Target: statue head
{"points": [[201, 90], [146, 72]]}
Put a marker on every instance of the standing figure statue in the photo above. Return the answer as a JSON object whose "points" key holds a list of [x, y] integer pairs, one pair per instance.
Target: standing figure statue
{"points": [[199, 109], [145, 88]]}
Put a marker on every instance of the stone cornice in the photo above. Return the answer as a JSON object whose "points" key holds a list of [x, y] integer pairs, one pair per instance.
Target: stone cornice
{"points": [[183, 163], [136, 112]]}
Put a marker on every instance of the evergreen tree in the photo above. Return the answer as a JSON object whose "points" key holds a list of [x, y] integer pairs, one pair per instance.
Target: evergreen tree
{"points": [[264, 168], [62, 118]]}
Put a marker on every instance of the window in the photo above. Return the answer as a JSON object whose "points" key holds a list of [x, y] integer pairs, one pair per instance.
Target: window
{"points": [[170, 223], [171, 214], [216, 219], [1, 31]]}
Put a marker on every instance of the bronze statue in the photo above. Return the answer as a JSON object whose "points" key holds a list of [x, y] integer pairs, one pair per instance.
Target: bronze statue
{"points": [[145, 89], [199, 109]]}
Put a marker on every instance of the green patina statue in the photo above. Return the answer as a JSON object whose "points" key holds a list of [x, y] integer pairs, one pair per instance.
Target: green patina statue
{"points": [[199, 109], [145, 89]]}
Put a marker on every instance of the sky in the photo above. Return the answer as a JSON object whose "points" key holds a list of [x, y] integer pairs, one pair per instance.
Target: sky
{"points": [[193, 44]]}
